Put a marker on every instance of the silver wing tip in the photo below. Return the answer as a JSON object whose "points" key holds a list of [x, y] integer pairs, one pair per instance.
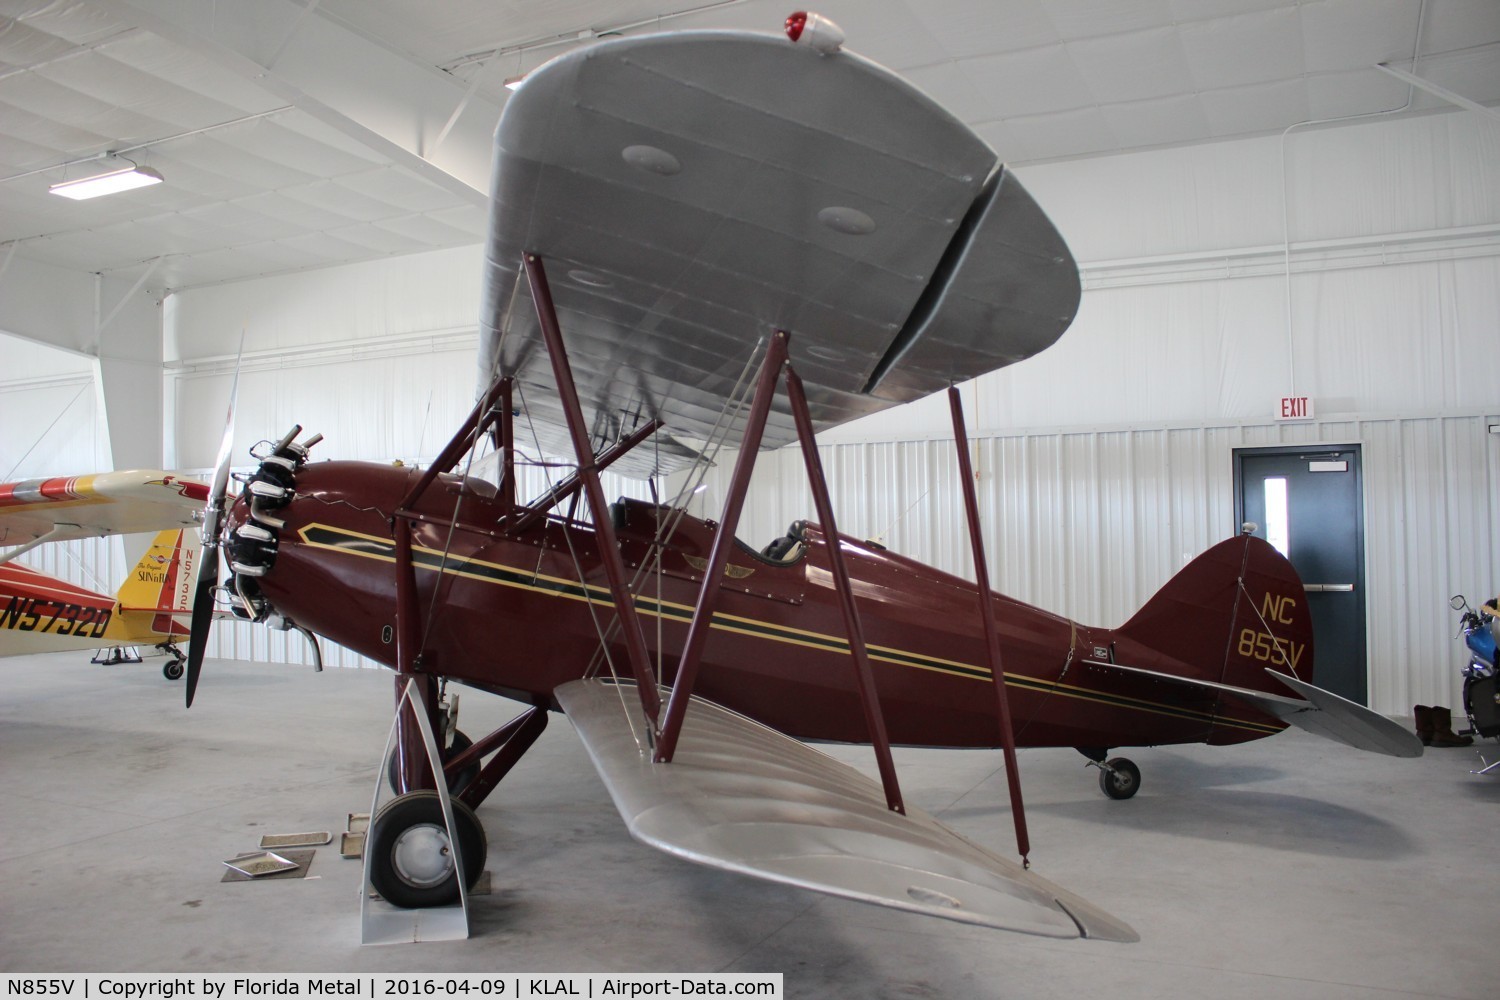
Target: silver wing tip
{"points": [[1097, 925]]}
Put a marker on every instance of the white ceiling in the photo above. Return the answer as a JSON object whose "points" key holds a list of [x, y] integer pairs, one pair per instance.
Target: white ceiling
{"points": [[301, 133]]}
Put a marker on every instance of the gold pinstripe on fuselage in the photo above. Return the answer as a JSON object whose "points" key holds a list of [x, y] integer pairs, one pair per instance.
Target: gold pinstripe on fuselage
{"points": [[354, 543]]}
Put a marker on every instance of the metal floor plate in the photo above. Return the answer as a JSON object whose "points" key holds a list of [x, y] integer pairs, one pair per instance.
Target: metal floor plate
{"points": [[301, 859], [745, 798]]}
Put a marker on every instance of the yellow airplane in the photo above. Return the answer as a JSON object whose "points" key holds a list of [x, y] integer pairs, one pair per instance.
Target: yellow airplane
{"points": [[40, 613]]}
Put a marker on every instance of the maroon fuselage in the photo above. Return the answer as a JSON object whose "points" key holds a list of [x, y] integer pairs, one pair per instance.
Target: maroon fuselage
{"points": [[516, 614]]}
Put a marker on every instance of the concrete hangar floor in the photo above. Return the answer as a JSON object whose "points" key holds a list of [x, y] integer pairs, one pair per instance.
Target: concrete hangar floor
{"points": [[1291, 867]]}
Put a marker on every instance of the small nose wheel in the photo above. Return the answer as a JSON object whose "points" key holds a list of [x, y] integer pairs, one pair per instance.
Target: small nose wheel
{"points": [[1119, 778]]}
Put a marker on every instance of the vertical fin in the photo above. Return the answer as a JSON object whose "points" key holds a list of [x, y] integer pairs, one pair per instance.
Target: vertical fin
{"points": [[162, 582], [1229, 615]]}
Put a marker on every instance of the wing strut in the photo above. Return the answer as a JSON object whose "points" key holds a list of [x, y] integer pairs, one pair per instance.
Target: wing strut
{"points": [[55, 531], [713, 574], [537, 509], [765, 391], [507, 445], [873, 718], [475, 424], [588, 472], [414, 771], [987, 616]]}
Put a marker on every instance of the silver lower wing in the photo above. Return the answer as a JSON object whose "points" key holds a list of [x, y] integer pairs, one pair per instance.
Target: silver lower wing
{"points": [[748, 799]]}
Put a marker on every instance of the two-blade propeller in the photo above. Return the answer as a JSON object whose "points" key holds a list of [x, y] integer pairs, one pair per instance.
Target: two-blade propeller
{"points": [[208, 565]]}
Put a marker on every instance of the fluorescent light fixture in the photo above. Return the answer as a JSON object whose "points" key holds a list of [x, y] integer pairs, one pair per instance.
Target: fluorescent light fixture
{"points": [[514, 82], [123, 179]]}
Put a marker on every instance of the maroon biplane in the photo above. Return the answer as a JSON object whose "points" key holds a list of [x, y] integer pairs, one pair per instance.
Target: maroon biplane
{"points": [[681, 224]]}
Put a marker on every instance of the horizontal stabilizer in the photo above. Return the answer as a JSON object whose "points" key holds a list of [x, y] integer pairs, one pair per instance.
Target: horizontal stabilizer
{"points": [[745, 798], [1320, 712], [1344, 721]]}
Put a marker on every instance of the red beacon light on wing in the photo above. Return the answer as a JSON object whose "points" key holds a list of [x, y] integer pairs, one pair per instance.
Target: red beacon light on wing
{"points": [[819, 32]]}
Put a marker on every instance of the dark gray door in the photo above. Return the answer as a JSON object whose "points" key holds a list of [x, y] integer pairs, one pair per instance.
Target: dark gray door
{"points": [[1307, 503]]}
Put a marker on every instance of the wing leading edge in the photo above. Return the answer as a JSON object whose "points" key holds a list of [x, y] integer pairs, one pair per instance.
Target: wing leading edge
{"points": [[748, 799], [691, 192]]}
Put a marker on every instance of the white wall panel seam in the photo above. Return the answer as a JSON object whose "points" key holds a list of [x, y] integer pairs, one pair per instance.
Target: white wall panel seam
{"points": [[1236, 263]]}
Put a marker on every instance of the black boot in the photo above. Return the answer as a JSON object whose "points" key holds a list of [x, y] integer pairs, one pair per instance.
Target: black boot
{"points": [[1442, 729], [1424, 724]]}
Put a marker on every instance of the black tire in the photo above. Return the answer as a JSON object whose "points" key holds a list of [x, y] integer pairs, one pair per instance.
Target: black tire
{"points": [[410, 863], [172, 670], [1120, 778], [461, 780]]}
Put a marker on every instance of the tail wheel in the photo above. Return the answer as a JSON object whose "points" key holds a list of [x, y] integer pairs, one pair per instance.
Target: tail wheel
{"points": [[1119, 778], [411, 860]]}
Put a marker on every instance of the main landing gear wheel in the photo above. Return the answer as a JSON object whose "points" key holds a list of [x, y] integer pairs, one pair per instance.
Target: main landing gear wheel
{"points": [[1119, 778], [172, 670], [411, 862], [463, 779]]}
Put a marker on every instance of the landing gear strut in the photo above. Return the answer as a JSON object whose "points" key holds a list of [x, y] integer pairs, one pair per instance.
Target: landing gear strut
{"points": [[462, 780], [1119, 778], [408, 847]]}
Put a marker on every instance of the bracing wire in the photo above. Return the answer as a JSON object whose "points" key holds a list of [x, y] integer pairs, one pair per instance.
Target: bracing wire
{"points": [[902, 516], [588, 597], [718, 435], [458, 499], [1276, 640]]}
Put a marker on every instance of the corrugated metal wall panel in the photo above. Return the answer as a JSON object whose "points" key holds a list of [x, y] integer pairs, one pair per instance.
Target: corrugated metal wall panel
{"points": [[97, 564], [1424, 523], [1386, 563], [1090, 523]]}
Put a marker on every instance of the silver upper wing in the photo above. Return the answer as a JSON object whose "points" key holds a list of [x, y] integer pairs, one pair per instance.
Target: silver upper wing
{"points": [[691, 192]]}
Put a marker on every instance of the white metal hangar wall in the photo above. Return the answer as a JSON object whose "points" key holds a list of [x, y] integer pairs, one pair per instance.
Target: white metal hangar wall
{"points": [[1106, 461]]}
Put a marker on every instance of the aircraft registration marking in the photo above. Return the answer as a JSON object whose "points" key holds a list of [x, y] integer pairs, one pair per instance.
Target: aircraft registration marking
{"points": [[29, 614], [383, 549], [1267, 648]]}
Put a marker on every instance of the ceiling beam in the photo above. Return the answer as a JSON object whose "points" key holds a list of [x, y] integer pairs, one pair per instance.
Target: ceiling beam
{"points": [[379, 98], [1442, 93]]}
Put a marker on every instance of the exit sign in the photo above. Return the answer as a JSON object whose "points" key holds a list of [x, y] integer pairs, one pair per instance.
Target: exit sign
{"points": [[1295, 408]]}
